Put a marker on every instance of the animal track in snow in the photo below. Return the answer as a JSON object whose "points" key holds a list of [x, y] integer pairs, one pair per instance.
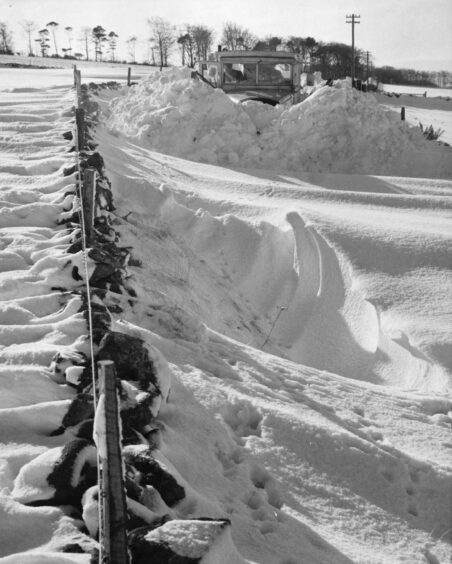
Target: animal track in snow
{"points": [[262, 479], [243, 418], [264, 499]]}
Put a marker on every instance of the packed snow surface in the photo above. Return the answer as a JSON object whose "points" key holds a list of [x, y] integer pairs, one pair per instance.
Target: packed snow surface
{"points": [[304, 317], [336, 129]]}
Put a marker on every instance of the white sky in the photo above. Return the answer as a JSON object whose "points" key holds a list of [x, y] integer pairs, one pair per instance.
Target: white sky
{"points": [[409, 33]]}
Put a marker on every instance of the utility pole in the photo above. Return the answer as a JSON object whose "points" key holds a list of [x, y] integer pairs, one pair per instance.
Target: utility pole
{"points": [[367, 67], [353, 19]]}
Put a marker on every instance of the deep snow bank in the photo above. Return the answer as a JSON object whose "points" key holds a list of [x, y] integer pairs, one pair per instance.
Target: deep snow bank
{"points": [[336, 129]]}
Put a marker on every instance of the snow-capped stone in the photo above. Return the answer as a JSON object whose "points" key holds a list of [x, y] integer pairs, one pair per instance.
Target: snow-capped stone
{"points": [[189, 541], [59, 474]]}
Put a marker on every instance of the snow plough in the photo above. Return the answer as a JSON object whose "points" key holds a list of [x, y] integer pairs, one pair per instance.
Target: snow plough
{"points": [[272, 77]]}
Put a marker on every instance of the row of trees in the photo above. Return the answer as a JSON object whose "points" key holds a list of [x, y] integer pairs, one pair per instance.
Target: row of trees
{"points": [[195, 42], [391, 75], [97, 36], [43, 41], [333, 60]]}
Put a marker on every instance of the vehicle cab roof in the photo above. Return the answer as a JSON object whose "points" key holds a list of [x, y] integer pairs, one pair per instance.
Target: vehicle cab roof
{"points": [[252, 56]]}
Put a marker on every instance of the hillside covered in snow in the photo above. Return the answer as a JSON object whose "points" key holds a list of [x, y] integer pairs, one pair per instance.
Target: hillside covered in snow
{"points": [[288, 273]]}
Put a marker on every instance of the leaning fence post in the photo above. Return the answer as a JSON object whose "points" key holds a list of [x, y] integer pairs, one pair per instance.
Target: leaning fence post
{"points": [[89, 199], [129, 76], [402, 113], [112, 499]]}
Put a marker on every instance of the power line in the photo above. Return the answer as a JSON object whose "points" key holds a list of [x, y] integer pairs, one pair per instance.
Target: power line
{"points": [[353, 19]]}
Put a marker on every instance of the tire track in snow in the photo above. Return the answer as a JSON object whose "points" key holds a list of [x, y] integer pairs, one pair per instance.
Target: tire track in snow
{"points": [[341, 332]]}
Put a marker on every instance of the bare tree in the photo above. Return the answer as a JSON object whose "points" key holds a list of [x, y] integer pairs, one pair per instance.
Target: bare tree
{"points": [[202, 41], [131, 44], [162, 35], [151, 51], [29, 27], [85, 37], [236, 37], [53, 26]]}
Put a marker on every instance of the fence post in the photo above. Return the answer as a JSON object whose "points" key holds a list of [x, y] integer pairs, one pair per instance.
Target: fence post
{"points": [[129, 76], [80, 124], [77, 82], [89, 199], [112, 499], [402, 113]]}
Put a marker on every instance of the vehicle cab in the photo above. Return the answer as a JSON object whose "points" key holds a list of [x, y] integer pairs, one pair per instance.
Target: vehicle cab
{"points": [[268, 76]]}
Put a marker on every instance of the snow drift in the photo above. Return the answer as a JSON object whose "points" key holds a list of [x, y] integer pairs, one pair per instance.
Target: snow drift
{"points": [[336, 129], [273, 434]]}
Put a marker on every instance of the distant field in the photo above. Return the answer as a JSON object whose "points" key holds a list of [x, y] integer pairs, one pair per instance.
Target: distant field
{"points": [[418, 90], [58, 63], [58, 72]]}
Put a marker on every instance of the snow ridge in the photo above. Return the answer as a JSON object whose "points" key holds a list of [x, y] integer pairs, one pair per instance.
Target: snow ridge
{"points": [[336, 129]]}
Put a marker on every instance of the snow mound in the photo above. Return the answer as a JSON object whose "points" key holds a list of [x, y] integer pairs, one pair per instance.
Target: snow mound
{"points": [[175, 114], [336, 129]]}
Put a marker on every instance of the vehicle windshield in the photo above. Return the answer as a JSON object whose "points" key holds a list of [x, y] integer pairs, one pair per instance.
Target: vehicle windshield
{"points": [[238, 73], [257, 73], [275, 73]]}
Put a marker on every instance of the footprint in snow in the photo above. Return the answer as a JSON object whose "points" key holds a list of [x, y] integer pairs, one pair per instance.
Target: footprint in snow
{"points": [[243, 418]]}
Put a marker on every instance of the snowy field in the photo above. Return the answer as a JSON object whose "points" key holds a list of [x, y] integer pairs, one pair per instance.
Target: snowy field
{"points": [[418, 91], [59, 73], [29, 79], [295, 273], [433, 109]]}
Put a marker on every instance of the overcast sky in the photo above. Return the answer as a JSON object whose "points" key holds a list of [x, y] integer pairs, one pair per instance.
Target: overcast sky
{"points": [[402, 33]]}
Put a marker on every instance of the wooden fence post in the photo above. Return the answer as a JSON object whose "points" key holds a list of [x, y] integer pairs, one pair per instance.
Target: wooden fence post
{"points": [[112, 498], [89, 199], [77, 83], [80, 124], [129, 76]]}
